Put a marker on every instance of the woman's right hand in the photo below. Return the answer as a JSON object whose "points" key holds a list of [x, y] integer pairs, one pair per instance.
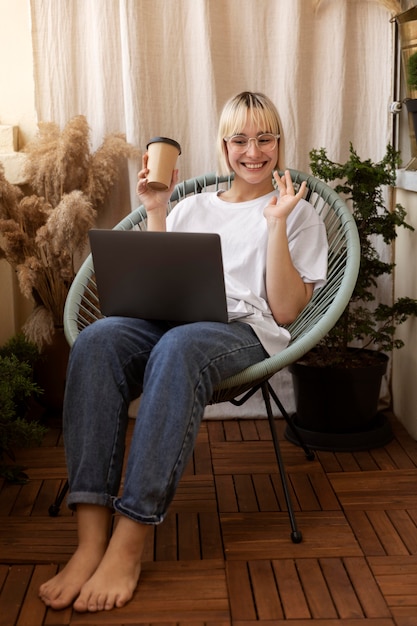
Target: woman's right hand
{"points": [[153, 199]]}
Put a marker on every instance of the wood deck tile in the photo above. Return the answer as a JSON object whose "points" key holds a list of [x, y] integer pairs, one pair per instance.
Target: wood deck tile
{"points": [[304, 492], [405, 527], [387, 533], [241, 601], [376, 489], [170, 593], [317, 593], [13, 593], [267, 536], [195, 493], [341, 589], [33, 612], [186, 536], [365, 533], [265, 492], [265, 593], [290, 588], [37, 540], [322, 622], [253, 457], [397, 580], [41, 464], [366, 588]]}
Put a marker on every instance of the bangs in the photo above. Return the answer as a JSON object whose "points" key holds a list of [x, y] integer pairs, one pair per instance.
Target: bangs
{"points": [[250, 108]]}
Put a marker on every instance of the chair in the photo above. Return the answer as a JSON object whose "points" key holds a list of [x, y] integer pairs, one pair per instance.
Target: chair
{"points": [[319, 316]]}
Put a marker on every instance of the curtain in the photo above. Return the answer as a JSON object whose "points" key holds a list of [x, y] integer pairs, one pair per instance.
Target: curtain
{"points": [[165, 67]]}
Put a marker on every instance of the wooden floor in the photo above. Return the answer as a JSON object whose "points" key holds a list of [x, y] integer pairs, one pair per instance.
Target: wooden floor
{"points": [[224, 556]]}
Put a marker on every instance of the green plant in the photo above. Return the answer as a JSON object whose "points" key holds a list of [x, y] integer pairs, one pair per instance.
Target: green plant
{"points": [[364, 322], [20, 347], [412, 71], [17, 359]]}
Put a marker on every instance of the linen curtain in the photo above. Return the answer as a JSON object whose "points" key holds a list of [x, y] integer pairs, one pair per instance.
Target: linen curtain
{"points": [[165, 67]]}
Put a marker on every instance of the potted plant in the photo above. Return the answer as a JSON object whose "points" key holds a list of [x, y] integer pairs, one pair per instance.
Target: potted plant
{"points": [[337, 385], [18, 426], [44, 227], [411, 102]]}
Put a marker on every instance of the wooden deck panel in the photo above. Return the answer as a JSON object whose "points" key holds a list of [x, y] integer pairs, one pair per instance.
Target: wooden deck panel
{"points": [[224, 556]]}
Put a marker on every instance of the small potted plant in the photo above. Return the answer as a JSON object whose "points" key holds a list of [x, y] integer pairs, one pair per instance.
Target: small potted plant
{"points": [[18, 424], [337, 385]]}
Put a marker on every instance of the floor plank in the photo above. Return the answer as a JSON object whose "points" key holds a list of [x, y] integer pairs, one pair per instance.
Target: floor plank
{"points": [[267, 535]]}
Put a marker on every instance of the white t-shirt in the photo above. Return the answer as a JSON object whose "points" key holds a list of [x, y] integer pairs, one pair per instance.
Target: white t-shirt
{"points": [[243, 232]]}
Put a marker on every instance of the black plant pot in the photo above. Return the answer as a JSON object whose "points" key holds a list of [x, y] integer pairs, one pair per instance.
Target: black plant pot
{"points": [[337, 408], [50, 371]]}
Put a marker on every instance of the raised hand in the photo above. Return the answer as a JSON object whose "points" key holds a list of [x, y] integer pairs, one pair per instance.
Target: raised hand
{"points": [[281, 207], [153, 199]]}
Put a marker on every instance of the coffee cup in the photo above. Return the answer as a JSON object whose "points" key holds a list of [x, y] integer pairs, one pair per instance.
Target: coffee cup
{"points": [[162, 157]]}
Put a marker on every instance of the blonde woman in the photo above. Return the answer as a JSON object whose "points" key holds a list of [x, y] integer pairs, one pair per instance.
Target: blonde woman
{"points": [[274, 253]]}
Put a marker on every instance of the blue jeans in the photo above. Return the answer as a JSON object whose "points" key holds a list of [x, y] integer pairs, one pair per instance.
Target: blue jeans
{"points": [[174, 368]]}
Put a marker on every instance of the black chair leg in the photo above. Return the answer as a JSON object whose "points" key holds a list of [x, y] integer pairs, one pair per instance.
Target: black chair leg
{"points": [[310, 455], [55, 507], [296, 535]]}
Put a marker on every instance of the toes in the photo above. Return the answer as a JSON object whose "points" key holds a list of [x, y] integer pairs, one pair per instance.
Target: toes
{"points": [[81, 605], [48, 595], [101, 603], [110, 604], [120, 601]]}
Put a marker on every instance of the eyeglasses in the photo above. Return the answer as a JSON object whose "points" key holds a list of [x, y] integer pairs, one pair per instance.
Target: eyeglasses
{"points": [[240, 143]]}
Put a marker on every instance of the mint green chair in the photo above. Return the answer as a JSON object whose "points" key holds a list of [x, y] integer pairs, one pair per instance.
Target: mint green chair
{"points": [[319, 316]]}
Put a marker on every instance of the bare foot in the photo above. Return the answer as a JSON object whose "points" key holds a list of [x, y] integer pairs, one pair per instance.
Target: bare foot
{"points": [[93, 537], [113, 583], [61, 590]]}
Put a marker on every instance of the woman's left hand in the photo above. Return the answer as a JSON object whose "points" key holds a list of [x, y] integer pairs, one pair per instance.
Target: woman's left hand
{"points": [[281, 207]]}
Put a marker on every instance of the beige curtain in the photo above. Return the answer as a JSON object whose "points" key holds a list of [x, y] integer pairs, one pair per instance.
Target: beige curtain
{"points": [[148, 67], [165, 67]]}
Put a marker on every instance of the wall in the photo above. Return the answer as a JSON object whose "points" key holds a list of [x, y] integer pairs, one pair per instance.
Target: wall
{"points": [[17, 107], [404, 368]]}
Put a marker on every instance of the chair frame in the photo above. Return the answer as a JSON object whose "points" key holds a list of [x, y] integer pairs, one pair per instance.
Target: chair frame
{"points": [[314, 322]]}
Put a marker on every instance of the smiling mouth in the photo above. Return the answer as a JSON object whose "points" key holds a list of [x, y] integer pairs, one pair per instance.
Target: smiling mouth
{"points": [[253, 166]]}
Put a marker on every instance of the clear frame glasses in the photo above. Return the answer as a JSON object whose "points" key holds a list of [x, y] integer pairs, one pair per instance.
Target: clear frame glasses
{"points": [[264, 142]]}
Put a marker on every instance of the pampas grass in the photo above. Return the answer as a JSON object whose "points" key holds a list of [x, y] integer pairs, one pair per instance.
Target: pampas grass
{"points": [[42, 232]]}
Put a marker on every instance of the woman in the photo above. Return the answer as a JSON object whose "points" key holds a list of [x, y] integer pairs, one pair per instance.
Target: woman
{"points": [[274, 253]]}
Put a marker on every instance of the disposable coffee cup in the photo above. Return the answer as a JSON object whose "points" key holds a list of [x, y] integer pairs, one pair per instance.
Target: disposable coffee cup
{"points": [[162, 157]]}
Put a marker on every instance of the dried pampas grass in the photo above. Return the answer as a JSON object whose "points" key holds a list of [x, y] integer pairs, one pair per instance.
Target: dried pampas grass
{"points": [[40, 326], [42, 233], [104, 167]]}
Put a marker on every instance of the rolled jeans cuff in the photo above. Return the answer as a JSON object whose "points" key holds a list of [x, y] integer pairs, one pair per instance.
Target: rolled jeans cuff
{"points": [[87, 497]]}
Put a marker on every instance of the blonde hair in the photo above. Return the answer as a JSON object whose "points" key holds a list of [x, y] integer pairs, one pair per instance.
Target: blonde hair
{"points": [[260, 110]]}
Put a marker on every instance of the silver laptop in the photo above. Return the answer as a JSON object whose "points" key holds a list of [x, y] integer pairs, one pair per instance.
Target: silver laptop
{"points": [[159, 275]]}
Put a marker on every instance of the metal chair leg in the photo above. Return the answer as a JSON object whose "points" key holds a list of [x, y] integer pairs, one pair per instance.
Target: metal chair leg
{"points": [[296, 535], [310, 455], [54, 508]]}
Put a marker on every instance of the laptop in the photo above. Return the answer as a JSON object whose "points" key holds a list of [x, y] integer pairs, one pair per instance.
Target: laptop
{"points": [[170, 276]]}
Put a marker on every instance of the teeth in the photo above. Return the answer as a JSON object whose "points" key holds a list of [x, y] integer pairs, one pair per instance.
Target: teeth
{"points": [[254, 166]]}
